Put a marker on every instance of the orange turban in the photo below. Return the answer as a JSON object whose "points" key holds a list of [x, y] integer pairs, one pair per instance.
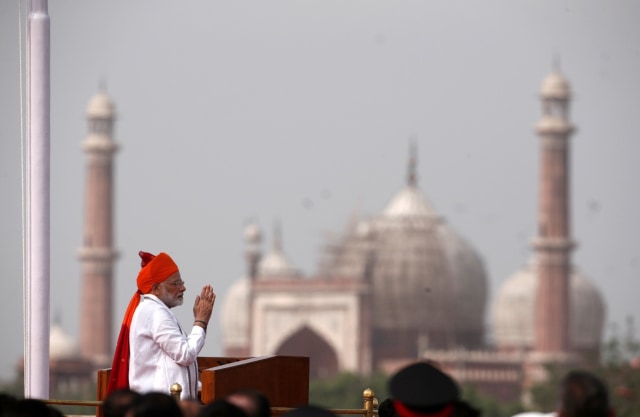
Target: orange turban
{"points": [[155, 269]]}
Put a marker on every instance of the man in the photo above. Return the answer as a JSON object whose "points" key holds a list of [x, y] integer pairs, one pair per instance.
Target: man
{"points": [[153, 352], [423, 390], [119, 402], [582, 394], [253, 402]]}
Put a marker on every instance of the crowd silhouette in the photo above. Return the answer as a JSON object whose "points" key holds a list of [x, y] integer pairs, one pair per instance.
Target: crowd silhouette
{"points": [[418, 390]]}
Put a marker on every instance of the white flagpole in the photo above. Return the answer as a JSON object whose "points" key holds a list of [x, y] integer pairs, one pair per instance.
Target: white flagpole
{"points": [[36, 357]]}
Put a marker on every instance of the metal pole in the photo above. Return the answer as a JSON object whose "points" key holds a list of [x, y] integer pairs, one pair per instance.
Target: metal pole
{"points": [[36, 357]]}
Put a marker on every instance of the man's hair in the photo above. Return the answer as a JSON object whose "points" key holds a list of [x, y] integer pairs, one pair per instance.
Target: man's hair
{"points": [[583, 395], [118, 402], [30, 407], [221, 408], [258, 406], [154, 404]]}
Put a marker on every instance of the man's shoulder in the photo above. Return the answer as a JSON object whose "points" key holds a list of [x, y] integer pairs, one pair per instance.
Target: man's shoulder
{"points": [[150, 301], [151, 305]]}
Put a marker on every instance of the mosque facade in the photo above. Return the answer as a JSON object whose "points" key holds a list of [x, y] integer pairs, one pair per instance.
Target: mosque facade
{"points": [[405, 285], [400, 286]]}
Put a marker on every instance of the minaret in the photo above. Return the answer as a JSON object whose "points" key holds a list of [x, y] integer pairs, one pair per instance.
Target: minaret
{"points": [[252, 253], [553, 245], [97, 255]]}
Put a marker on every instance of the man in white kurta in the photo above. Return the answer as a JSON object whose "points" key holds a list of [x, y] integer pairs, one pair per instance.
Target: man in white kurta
{"points": [[161, 352], [153, 352]]}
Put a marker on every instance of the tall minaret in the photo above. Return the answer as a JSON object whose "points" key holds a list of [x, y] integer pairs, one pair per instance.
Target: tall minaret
{"points": [[97, 255], [553, 245]]}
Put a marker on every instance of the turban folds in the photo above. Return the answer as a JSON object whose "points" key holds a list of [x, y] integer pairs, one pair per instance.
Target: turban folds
{"points": [[155, 269]]}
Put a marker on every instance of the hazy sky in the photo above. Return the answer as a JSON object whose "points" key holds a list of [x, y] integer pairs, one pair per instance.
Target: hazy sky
{"points": [[302, 111]]}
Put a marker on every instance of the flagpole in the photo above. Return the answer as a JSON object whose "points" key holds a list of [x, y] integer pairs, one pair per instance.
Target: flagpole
{"points": [[37, 293]]}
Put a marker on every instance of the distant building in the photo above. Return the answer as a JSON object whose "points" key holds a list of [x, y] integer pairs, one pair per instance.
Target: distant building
{"points": [[97, 255], [405, 285], [398, 287]]}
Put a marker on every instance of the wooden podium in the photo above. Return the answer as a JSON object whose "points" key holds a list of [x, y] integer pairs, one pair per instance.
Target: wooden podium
{"points": [[283, 379]]}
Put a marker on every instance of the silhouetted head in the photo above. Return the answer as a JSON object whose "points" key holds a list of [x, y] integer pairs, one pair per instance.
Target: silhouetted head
{"points": [[221, 408], [154, 404], [583, 395], [118, 402], [253, 402], [423, 390], [31, 407]]}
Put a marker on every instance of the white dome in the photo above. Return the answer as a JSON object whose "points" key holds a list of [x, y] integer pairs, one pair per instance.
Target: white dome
{"points": [[101, 106], [555, 86], [409, 202], [513, 312], [426, 279], [275, 264], [234, 315], [61, 344]]}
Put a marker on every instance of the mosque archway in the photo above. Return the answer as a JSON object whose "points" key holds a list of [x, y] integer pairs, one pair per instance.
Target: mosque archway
{"points": [[323, 361]]}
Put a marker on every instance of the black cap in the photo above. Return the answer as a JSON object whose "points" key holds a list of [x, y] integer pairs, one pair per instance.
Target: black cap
{"points": [[422, 386]]}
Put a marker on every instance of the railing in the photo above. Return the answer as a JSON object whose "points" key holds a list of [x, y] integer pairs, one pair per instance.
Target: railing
{"points": [[369, 409]]}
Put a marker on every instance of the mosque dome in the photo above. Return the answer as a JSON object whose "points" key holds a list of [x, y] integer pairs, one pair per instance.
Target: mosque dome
{"points": [[427, 281], [555, 86], [409, 203], [275, 264], [234, 315], [470, 283], [514, 309], [101, 106], [61, 344]]}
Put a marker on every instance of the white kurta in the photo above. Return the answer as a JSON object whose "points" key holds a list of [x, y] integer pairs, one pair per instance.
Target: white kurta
{"points": [[161, 352]]}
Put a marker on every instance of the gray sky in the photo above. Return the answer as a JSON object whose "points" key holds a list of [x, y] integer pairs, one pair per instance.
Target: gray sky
{"points": [[302, 111]]}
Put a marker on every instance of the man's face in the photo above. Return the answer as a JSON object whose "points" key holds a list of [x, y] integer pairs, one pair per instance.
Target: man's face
{"points": [[171, 290]]}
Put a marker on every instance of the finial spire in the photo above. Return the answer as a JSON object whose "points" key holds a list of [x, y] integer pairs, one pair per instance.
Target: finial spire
{"points": [[412, 178], [277, 236], [555, 63]]}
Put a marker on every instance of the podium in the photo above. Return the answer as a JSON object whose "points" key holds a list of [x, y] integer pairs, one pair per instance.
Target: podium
{"points": [[283, 379]]}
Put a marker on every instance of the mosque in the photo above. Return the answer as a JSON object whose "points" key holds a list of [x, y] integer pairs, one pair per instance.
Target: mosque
{"points": [[398, 287], [406, 285]]}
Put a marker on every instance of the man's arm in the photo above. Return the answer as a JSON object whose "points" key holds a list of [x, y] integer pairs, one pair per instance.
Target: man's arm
{"points": [[182, 348]]}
